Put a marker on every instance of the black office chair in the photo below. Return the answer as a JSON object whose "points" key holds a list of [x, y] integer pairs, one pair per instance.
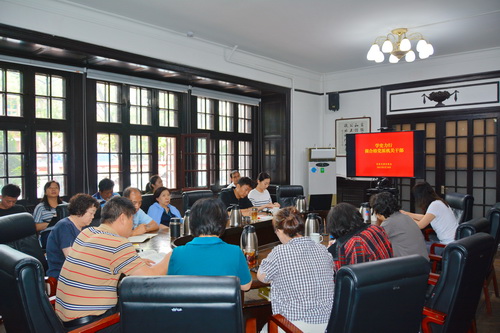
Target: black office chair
{"points": [[461, 205], [18, 231], [494, 219], [24, 305], [453, 301], [378, 296], [190, 197], [286, 194], [180, 304], [147, 201]]}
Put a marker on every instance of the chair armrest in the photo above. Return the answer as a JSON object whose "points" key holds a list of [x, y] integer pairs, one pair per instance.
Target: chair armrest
{"points": [[434, 245], [434, 259], [51, 285], [278, 320], [433, 278], [428, 231], [431, 316], [98, 325]]}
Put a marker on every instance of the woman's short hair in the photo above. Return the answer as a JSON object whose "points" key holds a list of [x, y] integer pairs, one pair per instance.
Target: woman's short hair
{"points": [[208, 216], [79, 203], [343, 219], [45, 199], [290, 221], [263, 176], [384, 203], [159, 191]]}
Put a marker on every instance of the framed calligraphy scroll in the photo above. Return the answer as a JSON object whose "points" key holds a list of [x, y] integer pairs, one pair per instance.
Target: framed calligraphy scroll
{"points": [[345, 126]]}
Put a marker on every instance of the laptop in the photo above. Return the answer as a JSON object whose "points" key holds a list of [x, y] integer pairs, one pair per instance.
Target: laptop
{"points": [[320, 202]]}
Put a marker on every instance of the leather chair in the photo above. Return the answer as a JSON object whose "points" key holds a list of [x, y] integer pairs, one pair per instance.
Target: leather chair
{"points": [[453, 301], [24, 304], [461, 205], [190, 197], [378, 296], [286, 194], [494, 219], [180, 304], [18, 231], [147, 201]]}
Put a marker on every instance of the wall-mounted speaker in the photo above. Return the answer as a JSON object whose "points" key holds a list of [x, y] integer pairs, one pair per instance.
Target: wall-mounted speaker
{"points": [[333, 101]]}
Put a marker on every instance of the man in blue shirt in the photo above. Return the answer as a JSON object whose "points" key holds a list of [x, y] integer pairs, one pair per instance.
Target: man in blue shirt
{"points": [[142, 222], [105, 191]]}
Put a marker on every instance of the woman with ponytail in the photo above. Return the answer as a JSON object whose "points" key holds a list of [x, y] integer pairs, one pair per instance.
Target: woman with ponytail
{"points": [[301, 274]]}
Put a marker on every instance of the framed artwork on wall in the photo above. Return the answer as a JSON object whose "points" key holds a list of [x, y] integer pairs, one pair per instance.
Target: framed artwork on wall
{"points": [[345, 126]]}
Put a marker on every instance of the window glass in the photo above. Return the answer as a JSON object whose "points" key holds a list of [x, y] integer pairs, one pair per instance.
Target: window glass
{"points": [[51, 160], [168, 109], [244, 118], [11, 158], [226, 160], [107, 98], [140, 106], [226, 117], [109, 158], [50, 96], [245, 158], [167, 163], [140, 160], [10, 93], [205, 113]]}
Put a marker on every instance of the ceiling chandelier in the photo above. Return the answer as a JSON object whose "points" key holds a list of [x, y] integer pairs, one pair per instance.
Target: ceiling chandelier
{"points": [[397, 44]]}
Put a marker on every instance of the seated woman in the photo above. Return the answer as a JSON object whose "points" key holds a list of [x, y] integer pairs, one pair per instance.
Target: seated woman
{"points": [[259, 196], [437, 213], [301, 274], [82, 208], [405, 236], [154, 182], [355, 241], [46, 209], [207, 254], [162, 211]]}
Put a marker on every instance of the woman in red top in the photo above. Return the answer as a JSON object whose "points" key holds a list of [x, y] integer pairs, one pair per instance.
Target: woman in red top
{"points": [[355, 241]]}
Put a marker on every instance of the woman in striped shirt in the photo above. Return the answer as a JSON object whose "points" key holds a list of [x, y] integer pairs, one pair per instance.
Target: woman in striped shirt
{"points": [[260, 196], [46, 209]]}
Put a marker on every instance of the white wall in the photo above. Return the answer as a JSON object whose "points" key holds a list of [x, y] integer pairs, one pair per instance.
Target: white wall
{"points": [[312, 123]]}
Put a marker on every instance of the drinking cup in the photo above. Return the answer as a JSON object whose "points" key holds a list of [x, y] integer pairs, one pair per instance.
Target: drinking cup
{"points": [[254, 214], [317, 238], [251, 258]]}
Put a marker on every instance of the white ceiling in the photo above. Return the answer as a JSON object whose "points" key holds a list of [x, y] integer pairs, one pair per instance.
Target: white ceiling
{"points": [[319, 35]]}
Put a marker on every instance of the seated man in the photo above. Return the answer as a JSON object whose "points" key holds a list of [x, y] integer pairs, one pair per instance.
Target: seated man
{"points": [[105, 191], [207, 254], [87, 287], [142, 222], [8, 206], [239, 195], [234, 176], [405, 235]]}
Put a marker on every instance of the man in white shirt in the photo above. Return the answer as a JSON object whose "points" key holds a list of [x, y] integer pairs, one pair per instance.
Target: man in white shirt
{"points": [[234, 176]]}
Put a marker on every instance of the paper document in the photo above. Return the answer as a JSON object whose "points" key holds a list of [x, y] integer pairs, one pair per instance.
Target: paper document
{"points": [[152, 255], [265, 218], [141, 238]]}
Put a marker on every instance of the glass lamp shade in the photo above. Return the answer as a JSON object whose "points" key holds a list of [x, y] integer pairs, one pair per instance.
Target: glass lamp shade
{"points": [[405, 45], [387, 46], [372, 53], [393, 59], [410, 56], [379, 57], [430, 49], [423, 54], [421, 45]]}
